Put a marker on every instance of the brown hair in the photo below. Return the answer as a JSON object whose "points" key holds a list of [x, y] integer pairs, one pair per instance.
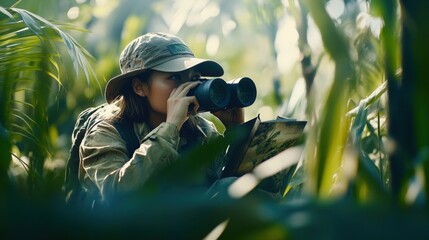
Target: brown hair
{"points": [[132, 106]]}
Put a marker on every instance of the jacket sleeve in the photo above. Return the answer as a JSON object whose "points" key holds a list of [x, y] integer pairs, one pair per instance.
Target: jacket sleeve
{"points": [[106, 166]]}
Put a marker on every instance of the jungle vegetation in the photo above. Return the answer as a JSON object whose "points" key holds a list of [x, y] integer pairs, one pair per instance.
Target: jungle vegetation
{"points": [[354, 69]]}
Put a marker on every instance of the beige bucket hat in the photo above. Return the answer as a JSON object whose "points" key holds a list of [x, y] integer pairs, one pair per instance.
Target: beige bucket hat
{"points": [[161, 52]]}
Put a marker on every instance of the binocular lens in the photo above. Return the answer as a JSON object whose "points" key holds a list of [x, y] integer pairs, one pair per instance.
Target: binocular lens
{"points": [[216, 94], [211, 94], [243, 92], [246, 92]]}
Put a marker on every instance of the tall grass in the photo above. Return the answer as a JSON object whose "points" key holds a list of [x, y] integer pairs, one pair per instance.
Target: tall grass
{"points": [[393, 171], [409, 104]]}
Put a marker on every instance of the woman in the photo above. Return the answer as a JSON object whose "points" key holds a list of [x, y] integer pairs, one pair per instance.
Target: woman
{"points": [[158, 70]]}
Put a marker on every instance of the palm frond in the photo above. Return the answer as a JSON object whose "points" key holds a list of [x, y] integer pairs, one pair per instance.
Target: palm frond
{"points": [[31, 63], [77, 53], [5, 12]]}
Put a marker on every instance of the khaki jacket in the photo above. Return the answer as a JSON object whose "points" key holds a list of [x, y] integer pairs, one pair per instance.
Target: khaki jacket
{"points": [[105, 168]]}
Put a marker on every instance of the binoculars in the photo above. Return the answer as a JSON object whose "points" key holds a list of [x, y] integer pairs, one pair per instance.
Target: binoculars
{"points": [[216, 94]]}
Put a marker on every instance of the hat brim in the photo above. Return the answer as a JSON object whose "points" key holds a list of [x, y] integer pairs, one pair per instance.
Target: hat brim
{"points": [[205, 67]]}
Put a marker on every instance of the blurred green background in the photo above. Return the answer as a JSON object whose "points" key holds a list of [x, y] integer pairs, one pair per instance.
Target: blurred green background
{"points": [[354, 69]]}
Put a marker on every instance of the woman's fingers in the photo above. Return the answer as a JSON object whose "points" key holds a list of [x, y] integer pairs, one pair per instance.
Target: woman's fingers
{"points": [[179, 105], [183, 89]]}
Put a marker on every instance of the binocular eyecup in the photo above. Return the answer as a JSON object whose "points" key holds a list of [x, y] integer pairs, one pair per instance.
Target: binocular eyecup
{"points": [[216, 94]]}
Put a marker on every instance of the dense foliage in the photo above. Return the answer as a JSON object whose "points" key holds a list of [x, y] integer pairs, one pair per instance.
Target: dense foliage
{"points": [[354, 69]]}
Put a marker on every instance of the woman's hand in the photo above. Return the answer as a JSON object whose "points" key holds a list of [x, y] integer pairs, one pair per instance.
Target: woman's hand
{"points": [[230, 117], [178, 104]]}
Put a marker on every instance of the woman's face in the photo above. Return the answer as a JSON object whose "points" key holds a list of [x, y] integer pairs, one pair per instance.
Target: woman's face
{"points": [[160, 85]]}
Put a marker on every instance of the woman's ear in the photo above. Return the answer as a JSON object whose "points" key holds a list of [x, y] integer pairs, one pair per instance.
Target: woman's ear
{"points": [[139, 87]]}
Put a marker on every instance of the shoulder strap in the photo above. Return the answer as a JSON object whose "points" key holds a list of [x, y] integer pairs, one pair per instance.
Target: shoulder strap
{"points": [[126, 130], [72, 186]]}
